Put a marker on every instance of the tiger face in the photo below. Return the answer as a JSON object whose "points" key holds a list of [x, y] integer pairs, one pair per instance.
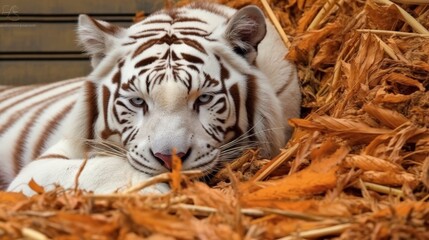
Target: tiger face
{"points": [[182, 79]]}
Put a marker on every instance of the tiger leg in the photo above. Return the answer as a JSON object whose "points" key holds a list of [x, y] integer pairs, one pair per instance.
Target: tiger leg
{"points": [[100, 175]]}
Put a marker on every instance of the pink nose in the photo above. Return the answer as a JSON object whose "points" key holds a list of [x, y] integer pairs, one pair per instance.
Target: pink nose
{"points": [[166, 160]]}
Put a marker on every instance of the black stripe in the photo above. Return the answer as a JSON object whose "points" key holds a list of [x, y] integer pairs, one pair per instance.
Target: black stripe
{"points": [[15, 91], [184, 19], [120, 103], [235, 94], [20, 145], [143, 35], [49, 129], [131, 136], [192, 59], [156, 21], [251, 103], [37, 92], [91, 107], [144, 46], [211, 134], [146, 61], [194, 44], [17, 114]]}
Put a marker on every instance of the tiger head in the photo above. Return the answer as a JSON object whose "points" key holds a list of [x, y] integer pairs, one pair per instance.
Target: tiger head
{"points": [[182, 79]]}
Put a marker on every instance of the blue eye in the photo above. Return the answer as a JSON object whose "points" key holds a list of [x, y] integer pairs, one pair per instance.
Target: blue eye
{"points": [[204, 99], [137, 101]]}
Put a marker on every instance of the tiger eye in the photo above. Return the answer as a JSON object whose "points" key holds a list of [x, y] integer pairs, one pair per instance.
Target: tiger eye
{"points": [[204, 99], [137, 102]]}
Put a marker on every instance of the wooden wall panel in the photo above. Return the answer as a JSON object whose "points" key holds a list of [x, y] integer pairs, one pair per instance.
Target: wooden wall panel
{"points": [[41, 71], [41, 37], [80, 6], [38, 40]]}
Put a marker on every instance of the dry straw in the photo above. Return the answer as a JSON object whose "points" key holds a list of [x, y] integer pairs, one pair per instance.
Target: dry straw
{"points": [[276, 22], [407, 17]]}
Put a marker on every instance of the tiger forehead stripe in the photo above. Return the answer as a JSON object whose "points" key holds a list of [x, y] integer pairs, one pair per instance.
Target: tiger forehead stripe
{"points": [[191, 29], [130, 85], [194, 44], [192, 58], [169, 40], [209, 81], [156, 21], [149, 30], [193, 33], [188, 19], [145, 62], [145, 35], [144, 46]]}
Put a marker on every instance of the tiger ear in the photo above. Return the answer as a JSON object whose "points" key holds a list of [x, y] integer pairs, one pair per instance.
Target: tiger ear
{"points": [[245, 30], [97, 37]]}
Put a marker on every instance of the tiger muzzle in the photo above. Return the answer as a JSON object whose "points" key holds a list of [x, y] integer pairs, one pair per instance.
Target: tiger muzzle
{"points": [[166, 159]]}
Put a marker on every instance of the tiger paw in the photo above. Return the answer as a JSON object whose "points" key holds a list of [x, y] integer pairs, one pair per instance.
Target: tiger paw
{"points": [[101, 175]]}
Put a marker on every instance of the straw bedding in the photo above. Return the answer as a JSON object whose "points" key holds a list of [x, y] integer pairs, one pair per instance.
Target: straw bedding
{"points": [[357, 166]]}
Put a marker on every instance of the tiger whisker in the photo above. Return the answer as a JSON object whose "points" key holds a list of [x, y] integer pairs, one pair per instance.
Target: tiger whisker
{"points": [[104, 143], [248, 143], [106, 147], [107, 154], [105, 151], [231, 150], [242, 137], [246, 135]]}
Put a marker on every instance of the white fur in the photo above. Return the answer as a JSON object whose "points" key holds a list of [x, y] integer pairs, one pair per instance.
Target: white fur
{"points": [[100, 175]]}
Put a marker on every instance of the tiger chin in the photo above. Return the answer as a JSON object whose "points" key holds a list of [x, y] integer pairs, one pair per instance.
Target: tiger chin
{"points": [[204, 79]]}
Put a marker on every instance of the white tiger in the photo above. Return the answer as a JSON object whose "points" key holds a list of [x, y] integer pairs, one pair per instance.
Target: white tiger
{"points": [[204, 79]]}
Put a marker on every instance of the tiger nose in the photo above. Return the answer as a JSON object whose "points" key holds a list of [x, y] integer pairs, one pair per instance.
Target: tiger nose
{"points": [[166, 159]]}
